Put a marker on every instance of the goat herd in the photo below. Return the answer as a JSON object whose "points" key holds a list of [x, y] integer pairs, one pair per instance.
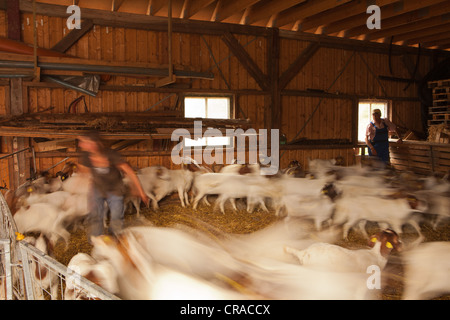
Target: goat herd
{"points": [[286, 260]]}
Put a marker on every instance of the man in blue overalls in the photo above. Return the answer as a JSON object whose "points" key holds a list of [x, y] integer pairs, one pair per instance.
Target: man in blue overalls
{"points": [[377, 136]]}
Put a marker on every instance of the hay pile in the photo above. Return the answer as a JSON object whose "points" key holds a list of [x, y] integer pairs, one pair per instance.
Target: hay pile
{"points": [[213, 224]]}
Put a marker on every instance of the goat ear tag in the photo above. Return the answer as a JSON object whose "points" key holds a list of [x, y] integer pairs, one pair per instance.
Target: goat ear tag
{"points": [[373, 240], [389, 245]]}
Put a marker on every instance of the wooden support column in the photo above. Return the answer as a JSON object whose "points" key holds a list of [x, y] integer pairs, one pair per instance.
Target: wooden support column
{"points": [[273, 101], [19, 164]]}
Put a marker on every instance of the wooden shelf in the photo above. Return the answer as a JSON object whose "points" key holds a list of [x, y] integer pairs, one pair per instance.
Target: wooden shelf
{"points": [[112, 126]]}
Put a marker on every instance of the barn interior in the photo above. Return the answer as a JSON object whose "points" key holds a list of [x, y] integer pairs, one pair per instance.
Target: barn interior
{"points": [[311, 71]]}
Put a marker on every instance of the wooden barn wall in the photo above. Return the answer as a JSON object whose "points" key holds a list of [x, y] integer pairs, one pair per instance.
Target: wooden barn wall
{"points": [[4, 109], [336, 71], [4, 149]]}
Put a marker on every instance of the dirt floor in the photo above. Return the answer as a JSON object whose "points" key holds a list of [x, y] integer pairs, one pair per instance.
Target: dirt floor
{"points": [[171, 213]]}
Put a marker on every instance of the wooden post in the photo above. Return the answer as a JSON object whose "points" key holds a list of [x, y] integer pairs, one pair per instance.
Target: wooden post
{"points": [[273, 105], [18, 175]]}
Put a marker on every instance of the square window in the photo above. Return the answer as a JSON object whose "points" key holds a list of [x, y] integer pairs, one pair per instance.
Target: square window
{"points": [[365, 109], [208, 108]]}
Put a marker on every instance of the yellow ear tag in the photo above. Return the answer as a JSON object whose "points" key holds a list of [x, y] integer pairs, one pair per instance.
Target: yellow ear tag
{"points": [[373, 240], [19, 236], [30, 189], [389, 245], [324, 191], [63, 178], [107, 239]]}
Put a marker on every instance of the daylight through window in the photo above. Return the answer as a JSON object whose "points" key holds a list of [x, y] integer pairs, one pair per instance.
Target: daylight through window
{"points": [[210, 108]]}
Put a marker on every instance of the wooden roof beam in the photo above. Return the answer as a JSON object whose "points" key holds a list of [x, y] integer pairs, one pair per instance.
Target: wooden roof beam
{"points": [[403, 19], [428, 35], [397, 32], [194, 6], [116, 4], [437, 42], [229, 8], [263, 10], [388, 11], [349, 9], [154, 6], [444, 46], [298, 13], [185, 9]]}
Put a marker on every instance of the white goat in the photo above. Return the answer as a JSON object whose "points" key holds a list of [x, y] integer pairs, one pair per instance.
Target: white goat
{"points": [[427, 271], [394, 212], [99, 272], [174, 181], [44, 218], [320, 208], [140, 277], [330, 257], [57, 198]]}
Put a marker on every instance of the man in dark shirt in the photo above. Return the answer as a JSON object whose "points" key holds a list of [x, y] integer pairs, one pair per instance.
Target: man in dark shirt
{"points": [[106, 167]]}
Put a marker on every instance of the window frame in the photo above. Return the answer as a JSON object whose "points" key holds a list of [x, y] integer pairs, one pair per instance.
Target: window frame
{"points": [[231, 116], [388, 113]]}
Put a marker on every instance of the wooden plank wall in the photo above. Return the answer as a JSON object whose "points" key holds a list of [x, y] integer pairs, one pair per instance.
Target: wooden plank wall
{"points": [[337, 71], [4, 106]]}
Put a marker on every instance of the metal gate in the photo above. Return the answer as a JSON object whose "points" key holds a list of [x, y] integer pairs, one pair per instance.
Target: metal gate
{"points": [[27, 273]]}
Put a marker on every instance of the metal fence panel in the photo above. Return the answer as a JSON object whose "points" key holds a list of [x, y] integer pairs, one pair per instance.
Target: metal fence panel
{"points": [[28, 273], [5, 270]]}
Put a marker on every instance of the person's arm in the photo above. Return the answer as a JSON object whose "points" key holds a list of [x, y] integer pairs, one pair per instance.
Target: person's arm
{"points": [[125, 167], [393, 128], [374, 152]]}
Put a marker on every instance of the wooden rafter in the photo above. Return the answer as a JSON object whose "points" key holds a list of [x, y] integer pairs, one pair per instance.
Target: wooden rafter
{"points": [[417, 37], [350, 9], [263, 10], [154, 6], [439, 43], [342, 18], [402, 19], [403, 31], [273, 67], [389, 11], [116, 4], [192, 7], [229, 8], [307, 9]]}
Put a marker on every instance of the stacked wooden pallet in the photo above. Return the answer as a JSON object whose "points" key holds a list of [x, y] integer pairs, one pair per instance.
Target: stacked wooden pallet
{"points": [[440, 111]]}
